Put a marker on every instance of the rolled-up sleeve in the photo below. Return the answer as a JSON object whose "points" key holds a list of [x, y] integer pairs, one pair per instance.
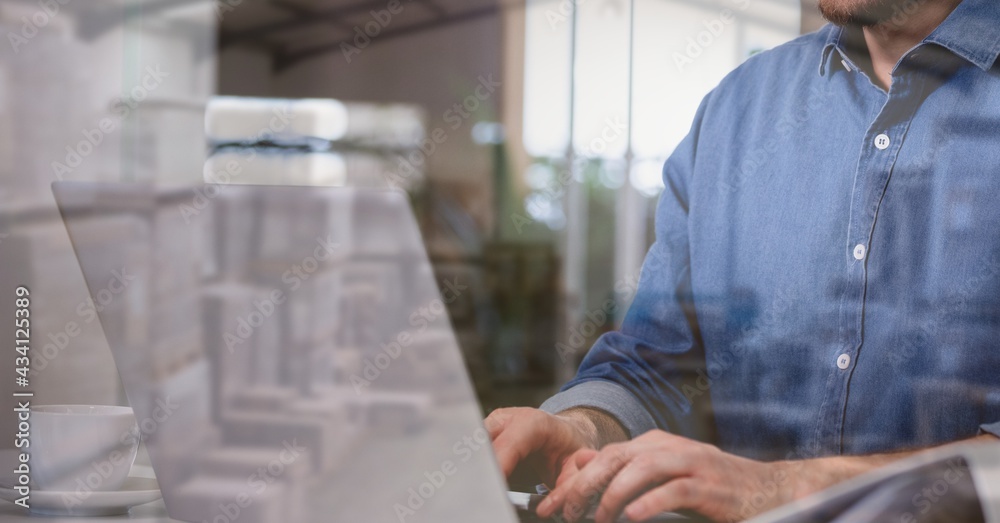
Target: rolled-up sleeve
{"points": [[606, 396], [641, 373]]}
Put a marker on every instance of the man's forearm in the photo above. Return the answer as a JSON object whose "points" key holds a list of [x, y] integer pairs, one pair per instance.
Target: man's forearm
{"points": [[598, 427], [812, 475]]}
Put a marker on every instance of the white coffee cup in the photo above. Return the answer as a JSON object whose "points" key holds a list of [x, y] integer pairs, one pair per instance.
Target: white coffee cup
{"points": [[81, 447]]}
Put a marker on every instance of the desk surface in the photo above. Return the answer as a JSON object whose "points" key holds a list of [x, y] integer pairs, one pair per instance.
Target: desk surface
{"points": [[150, 513]]}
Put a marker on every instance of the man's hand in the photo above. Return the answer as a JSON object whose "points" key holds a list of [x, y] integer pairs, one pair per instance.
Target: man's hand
{"points": [[546, 441], [660, 472]]}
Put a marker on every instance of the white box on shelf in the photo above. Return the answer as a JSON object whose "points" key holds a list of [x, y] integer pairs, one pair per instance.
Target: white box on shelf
{"points": [[268, 166]]}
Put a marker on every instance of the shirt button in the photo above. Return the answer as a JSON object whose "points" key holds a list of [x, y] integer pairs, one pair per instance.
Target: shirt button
{"points": [[882, 141], [843, 362], [859, 251]]}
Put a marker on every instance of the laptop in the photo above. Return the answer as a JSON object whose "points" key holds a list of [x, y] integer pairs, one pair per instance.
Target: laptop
{"points": [[287, 353], [289, 358]]}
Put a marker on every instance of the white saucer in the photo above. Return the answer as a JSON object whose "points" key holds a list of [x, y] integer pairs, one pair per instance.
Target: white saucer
{"points": [[136, 491]]}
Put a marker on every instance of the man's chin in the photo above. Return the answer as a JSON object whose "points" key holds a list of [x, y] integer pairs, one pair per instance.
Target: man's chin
{"points": [[863, 13]]}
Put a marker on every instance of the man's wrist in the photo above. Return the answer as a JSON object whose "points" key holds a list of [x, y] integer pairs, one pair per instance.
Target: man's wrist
{"points": [[808, 476], [598, 428], [813, 475]]}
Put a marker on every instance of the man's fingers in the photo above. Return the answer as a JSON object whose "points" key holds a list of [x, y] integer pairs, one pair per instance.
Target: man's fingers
{"points": [[495, 423], [577, 461], [522, 433], [568, 470], [506, 449], [682, 493], [632, 481], [511, 449], [574, 496], [584, 456]]}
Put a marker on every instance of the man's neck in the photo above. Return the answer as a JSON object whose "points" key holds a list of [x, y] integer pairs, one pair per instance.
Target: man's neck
{"points": [[888, 41]]}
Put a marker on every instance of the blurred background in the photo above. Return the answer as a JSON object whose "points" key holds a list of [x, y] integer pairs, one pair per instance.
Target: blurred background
{"points": [[528, 135]]}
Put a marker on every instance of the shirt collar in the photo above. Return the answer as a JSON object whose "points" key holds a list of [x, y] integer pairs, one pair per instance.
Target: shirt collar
{"points": [[832, 42], [971, 31]]}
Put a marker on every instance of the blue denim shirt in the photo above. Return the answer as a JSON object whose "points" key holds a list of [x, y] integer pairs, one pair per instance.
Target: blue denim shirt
{"points": [[826, 272]]}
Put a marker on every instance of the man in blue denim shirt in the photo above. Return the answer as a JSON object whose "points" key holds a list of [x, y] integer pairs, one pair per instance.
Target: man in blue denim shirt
{"points": [[824, 288]]}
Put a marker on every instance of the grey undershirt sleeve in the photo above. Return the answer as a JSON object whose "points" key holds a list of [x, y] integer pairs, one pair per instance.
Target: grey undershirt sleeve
{"points": [[606, 396]]}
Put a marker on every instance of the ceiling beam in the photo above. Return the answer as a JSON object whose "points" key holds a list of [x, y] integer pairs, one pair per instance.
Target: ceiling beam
{"points": [[433, 6], [283, 61], [332, 15], [305, 13]]}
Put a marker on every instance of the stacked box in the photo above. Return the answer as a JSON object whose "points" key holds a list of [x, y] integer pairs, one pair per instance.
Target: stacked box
{"points": [[231, 341], [177, 464], [310, 303], [231, 119], [388, 412], [321, 437], [235, 119], [269, 355], [175, 334], [175, 316], [309, 232], [242, 463], [373, 300], [324, 364], [262, 399], [170, 144], [187, 394], [430, 362], [46, 68], [180, 430], [271, 166], [360, 317], [179, 244], [113, 252], [376, 172], [284, 166], [383, 227], [236, 218], [347, 361], [314, 309], [170, 356], [338, 408], [393, 126]]}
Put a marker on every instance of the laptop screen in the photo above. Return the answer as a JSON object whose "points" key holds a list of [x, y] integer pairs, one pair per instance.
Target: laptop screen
{"points": [[287, 353]]}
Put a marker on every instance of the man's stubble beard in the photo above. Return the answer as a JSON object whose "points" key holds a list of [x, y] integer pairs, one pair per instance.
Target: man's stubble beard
{"points": [[863, 13]]}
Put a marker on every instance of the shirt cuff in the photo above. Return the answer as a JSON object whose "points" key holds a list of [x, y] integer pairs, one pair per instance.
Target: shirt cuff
{"points": [[990, 428], [606, 396]]}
